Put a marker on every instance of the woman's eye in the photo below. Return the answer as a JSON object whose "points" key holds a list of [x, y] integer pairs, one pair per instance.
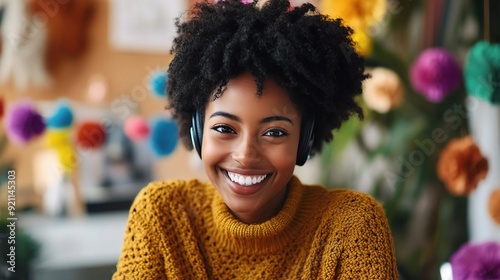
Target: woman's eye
{"points": [[223, 129], [276, 133]]}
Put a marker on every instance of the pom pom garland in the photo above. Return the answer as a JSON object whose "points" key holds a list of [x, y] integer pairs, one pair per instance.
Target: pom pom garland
{"points": [[435, 74], [23, 123], [163, 139], [90, 135], [136, 128], [482, 72], [62, 117]]}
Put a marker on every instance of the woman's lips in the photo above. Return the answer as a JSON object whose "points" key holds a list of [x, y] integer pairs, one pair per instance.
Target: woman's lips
{"points": [[245, 184]]}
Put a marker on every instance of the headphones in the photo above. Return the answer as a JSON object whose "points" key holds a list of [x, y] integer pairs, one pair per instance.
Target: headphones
{"points": [[305, 141]]}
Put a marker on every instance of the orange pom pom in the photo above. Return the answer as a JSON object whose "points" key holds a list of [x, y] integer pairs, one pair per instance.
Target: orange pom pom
{"points": [[461, 166], [90, 135]]}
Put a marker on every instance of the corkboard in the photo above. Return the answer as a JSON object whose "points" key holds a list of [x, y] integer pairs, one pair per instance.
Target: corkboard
{"points": [[125, 73]]}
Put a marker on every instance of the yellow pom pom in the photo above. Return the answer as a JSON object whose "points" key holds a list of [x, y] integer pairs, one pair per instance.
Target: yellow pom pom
{"points": [[57, 138], [364, 44], [67, 158]]}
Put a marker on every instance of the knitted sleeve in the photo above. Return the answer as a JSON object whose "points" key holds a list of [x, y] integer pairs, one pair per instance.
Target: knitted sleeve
{"points": [[368, 250], [140, 257]]}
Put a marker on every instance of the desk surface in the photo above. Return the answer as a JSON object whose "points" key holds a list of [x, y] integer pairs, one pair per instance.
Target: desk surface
{"points": [[76, 242]]}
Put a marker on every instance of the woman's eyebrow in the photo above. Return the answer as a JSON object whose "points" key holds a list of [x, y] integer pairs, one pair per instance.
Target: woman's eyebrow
{"points": [[225, 115], [237, 119], [276, 118]]}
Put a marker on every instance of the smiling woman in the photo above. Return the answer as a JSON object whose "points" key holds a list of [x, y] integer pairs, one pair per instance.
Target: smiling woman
{"points": [[256, 91]]}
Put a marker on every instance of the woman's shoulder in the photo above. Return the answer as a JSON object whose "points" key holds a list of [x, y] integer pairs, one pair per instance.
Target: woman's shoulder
{"points": [[346, 202], [343, 196]]}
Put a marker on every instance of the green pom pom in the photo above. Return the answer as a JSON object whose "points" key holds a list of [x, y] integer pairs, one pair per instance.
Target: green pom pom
{"points": [[482, 72]]}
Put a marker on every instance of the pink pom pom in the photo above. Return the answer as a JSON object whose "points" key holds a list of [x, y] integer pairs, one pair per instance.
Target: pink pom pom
{"points": [[136, 128], [435, 74]]}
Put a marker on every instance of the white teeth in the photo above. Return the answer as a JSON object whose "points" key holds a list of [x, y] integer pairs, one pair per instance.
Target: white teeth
{"points": [[245, 180]]}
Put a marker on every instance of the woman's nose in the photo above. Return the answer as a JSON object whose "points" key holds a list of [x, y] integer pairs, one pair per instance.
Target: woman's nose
{"points": [[246, 151]]}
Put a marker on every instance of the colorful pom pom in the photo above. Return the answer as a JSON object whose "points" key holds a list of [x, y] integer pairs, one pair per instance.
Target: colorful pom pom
{"points": [[23, 123], [57, 138], [158, 83], [476, 260], [482, 72], [364, 44], [383, 91], [435, 74], [67, 157], [90, 135], [462, 165], [163, 139], [136, 128], [62, 117]]}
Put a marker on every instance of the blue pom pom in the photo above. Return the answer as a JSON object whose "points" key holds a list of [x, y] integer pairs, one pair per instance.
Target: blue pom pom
{"points": [[163, 138], [62, 117], [158, 83]]}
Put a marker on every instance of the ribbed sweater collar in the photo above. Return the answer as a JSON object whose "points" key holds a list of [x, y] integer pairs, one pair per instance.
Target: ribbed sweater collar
{"points": [[258, 238]]}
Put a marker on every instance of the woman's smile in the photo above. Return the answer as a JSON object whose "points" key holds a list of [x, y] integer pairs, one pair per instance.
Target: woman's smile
{"points": [[245, 180]]}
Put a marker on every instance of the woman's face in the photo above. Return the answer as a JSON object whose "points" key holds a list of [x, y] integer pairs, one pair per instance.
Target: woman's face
{"points": [[249, 147]]}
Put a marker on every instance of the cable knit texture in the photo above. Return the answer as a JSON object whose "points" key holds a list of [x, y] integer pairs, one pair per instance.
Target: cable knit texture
{"points": [[183, 230]]}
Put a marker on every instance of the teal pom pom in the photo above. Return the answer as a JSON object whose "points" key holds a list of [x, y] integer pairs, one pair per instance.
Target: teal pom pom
{"points": [[158, 83], [482, 72], [163, 138], [62, 117]]}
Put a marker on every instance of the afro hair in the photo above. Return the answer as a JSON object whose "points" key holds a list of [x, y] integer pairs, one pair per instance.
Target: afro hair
{"points": [[309, 54]]}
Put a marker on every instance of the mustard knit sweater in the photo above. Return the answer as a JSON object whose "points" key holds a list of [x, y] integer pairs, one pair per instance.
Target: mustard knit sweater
{"points": [[183, 230]]}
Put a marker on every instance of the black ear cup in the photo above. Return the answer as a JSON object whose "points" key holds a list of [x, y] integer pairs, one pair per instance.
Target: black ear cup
{"points": [[197, 131], [305, 141]]}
